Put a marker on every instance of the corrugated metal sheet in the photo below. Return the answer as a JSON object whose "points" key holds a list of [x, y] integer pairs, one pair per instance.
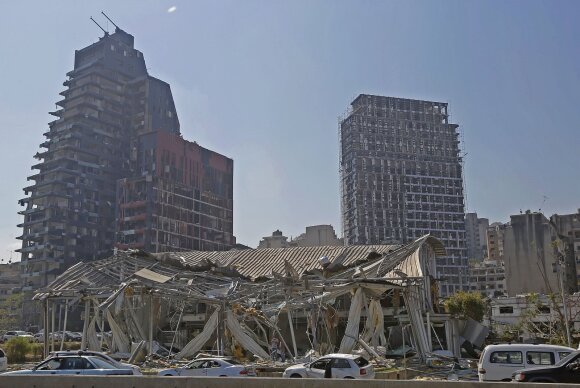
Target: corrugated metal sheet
{"points": [[258, 263], [153, 276]]}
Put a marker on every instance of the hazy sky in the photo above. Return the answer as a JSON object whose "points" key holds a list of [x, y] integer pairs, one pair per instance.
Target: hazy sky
{"points": [[264, 83]]}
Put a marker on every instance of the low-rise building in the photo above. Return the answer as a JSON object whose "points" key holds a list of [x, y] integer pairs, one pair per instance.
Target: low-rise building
{"points": [[534, 317], [317, 236], [276, 240]]}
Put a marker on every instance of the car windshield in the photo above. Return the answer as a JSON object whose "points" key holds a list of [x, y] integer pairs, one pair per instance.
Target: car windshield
{"points": [[102, 364], [361, 362], [568, 358]]}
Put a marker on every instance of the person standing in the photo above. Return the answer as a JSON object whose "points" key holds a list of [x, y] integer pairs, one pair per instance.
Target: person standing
{"points": [[274, 348]]}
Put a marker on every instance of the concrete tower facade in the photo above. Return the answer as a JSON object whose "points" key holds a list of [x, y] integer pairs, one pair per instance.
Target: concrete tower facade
{"points": [[117, 123]]}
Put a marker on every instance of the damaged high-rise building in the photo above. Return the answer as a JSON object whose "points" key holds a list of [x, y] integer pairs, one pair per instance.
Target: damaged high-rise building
{"points": [[401, 178], [116, 171]]}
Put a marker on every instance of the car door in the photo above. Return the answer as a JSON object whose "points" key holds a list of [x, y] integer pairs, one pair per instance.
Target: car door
{"points": [[317, 368], [570, 373], [214, 369], [503, 363], [195, 368], [341, 368]]}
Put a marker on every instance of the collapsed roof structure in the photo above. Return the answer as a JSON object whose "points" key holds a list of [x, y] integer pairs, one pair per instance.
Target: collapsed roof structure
{"points": [[242, 296]]}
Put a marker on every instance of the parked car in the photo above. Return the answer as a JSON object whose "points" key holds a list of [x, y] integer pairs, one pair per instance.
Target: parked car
{"points": [[3, 361], [211, 366], [73, 336], [39, 337], [74, 365], [343, 366], [17, 333], [566, 370], [118, 364], [499, 362]]}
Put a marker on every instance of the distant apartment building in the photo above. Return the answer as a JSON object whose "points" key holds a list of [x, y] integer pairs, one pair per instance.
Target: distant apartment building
{"points": [[314, 236], [533, 247], [568, 225], [276, 240], [9, 280], [401, 178], [317, 236], [494, 241], [476, 236], [114, 170], [488, 278]]}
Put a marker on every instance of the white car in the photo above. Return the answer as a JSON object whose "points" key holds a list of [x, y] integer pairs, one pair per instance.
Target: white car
{"points": [[118, 364], [3, 361], [343, 366], [73, 365], [17, 333], [213, 366]]}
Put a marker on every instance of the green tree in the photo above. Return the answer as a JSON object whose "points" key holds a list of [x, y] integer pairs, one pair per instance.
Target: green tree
{"points": [[466, 305]]}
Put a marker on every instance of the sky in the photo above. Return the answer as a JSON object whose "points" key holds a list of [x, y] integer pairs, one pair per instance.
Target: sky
{"points": [[265, 83]]}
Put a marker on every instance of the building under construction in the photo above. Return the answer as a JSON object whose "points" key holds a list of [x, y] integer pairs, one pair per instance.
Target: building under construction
{"points": [[401, 178], [114, 169]]}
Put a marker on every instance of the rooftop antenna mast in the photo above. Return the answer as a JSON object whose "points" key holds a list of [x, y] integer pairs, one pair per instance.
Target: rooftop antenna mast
{"points": [[112, 22], [98, 25]]}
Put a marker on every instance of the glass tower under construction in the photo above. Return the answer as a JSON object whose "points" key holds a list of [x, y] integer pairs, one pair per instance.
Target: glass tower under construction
{"points": [[401, 178]]}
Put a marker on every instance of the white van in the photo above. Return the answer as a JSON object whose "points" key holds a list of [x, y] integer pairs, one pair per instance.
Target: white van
{"points": [[498, 362]]}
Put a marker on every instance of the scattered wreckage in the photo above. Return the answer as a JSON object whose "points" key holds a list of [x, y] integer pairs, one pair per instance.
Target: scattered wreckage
{"points": [[312, 300]]}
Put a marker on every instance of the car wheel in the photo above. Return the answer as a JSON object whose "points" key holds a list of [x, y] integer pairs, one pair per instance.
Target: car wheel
{"points": [[295, 376], [168, 375], [349, 377]]}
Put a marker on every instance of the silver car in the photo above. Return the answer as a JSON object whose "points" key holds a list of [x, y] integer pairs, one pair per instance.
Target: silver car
{"points": [[211, 366], [109, 359], [74, 365]]}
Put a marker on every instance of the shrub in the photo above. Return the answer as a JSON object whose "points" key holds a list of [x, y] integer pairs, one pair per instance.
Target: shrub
{"points": [[466, 304], [16, 349], [37, 351]]}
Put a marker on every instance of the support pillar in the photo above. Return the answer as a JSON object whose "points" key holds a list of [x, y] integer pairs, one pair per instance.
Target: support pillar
{"points": [[52, 327], [46, 323], [64, 325], [291, 329], [150, 324], [86, 324]]}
